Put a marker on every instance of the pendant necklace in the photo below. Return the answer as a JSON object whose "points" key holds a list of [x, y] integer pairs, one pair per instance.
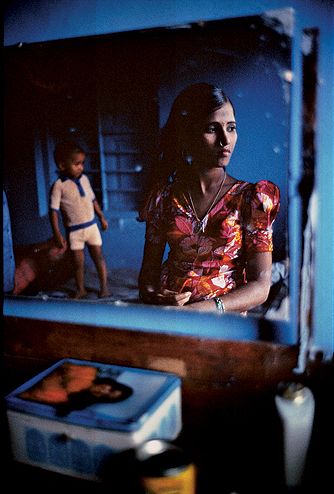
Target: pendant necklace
{"points": [[203, 222]]}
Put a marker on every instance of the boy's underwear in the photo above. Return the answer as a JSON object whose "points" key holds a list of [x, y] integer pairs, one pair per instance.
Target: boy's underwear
{"points": [[90, 235]]}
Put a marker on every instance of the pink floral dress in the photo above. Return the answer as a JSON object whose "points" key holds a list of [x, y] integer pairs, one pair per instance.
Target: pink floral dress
{"points": [[211, 263]]}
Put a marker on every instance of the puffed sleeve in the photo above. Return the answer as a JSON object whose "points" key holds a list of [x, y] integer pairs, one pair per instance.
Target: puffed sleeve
{"points": [[262, 203], [153, 214]]}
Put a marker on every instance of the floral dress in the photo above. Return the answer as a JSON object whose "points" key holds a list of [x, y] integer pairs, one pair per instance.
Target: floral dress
{"points": [[212, 262]]}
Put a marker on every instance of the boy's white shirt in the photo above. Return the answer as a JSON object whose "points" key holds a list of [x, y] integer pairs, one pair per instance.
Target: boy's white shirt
{"points": [[65, 196]]}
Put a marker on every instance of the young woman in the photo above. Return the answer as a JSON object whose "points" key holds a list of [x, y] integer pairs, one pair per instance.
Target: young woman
{"points": [[218, 228]]}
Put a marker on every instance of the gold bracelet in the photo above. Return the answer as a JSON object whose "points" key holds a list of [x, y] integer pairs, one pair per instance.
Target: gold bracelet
{"points": [[219, 305]]}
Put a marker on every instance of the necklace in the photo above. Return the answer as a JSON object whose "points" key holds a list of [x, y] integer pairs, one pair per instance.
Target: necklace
{"points": [[203, 222]]}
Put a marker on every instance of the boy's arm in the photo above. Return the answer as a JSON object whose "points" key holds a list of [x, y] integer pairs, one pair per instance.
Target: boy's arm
{"points": [[99, 212], [59, 239]]}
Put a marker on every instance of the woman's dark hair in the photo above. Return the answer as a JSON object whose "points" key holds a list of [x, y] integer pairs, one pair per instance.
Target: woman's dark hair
{"points": [[192, 104]]}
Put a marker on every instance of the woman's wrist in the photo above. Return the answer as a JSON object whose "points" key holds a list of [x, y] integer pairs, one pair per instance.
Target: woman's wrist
{"points": [[219, 305]]}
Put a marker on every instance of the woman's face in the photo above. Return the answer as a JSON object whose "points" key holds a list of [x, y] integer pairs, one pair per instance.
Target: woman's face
{"points": [[214, 145]]}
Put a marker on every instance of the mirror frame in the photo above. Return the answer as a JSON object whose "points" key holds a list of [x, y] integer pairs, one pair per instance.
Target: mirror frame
{"points": [[228, 327]]}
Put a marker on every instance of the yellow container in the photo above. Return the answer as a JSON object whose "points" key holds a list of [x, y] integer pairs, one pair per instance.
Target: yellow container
{"points": [[165, 469]]}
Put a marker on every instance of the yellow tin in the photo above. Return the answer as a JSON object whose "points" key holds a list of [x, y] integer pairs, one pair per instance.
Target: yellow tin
{"points": [[165, 469]]}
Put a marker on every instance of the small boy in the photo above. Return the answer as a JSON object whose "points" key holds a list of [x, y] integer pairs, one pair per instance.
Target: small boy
{"points": [[73, 195]]}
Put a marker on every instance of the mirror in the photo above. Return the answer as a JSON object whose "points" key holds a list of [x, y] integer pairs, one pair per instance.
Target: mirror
{"points": [[113, 94]]}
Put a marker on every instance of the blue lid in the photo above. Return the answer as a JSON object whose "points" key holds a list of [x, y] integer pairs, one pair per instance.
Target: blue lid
{"points": [[64, 392]]}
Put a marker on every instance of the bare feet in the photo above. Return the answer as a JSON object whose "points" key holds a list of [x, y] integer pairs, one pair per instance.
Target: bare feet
{"points": [[79, 294], [104, 293]]}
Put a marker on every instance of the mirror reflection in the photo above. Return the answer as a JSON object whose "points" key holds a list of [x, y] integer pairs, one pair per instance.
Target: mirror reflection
{"points": [[112, 95]]}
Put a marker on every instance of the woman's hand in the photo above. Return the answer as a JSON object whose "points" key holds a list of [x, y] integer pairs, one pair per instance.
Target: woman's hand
{"points": [[169, 297], [149, 295]]}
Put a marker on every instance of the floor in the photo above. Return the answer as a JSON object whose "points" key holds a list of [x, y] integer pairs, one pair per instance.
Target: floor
{"points": [[122, 284]]}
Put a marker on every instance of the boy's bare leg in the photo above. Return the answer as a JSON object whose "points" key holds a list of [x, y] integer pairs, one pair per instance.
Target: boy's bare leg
{"points": [[79, 273], [101, 267]]}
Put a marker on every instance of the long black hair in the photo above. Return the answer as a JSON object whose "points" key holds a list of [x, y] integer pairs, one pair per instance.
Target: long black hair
{"points": [[192, 104]]}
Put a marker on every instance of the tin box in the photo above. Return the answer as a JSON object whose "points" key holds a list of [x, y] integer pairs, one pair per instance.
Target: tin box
{"points": [[56, 423]]}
